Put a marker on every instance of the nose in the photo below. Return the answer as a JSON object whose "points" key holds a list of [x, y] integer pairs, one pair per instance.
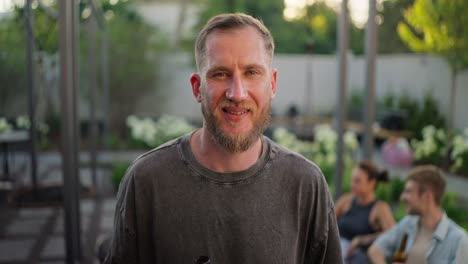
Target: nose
{"points": [[237, 91]]}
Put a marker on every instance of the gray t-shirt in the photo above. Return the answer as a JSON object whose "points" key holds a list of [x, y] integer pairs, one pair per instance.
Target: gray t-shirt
{"points": [[172, 209]]}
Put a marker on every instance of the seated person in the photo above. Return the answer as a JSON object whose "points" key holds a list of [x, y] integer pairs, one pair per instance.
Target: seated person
{"points": [[431, 236], [361, 217]]}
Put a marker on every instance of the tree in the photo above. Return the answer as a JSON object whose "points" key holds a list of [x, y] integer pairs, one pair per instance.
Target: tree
{"points": [[392, 14], [439, 27], [134, 55], [315, 31]]}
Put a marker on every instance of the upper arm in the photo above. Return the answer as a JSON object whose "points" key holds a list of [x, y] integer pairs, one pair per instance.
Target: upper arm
{"points": [[387, 242], [342, 205], [124, 240], [384, 216], [333, 245]]}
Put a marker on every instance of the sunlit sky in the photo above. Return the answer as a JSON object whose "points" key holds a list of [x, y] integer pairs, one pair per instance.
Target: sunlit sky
{"points": [[357, 8]]}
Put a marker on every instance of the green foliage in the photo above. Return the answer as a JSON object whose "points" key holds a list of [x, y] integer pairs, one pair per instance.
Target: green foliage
{"points": [[459, 153], [322, 151], [134, 59], [118, 172], [392, 14], [438, 27], [432, 148], [419, 113], [12, 62], [451, 205], [149, 134], [391, 191], [399, 211], [313, 32]]}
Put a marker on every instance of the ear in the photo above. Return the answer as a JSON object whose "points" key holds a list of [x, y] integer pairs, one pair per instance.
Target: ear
{"points": [[195, 81], [273, 82]]}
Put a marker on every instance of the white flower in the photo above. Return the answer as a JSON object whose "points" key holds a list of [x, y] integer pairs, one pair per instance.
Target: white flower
{"points": [[23, 122], [4, 125], [350, 140]]}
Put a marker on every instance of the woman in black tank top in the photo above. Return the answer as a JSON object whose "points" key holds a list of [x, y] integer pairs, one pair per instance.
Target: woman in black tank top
{"points": [[361, 217]]}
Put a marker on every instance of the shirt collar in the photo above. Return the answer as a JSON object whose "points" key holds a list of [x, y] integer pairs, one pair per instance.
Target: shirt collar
{"points": [[442, 227]]}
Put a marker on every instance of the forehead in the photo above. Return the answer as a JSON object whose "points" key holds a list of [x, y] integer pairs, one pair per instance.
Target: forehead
{"points": [[411, 185], [244, 44], [358, 172]]}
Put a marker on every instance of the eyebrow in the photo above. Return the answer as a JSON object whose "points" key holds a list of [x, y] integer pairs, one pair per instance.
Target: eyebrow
{"points": [[248, 66], [216, 69]]}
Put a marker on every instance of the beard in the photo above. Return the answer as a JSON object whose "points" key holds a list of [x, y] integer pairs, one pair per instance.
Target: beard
{"points": [[240, 142], [413, 211]]}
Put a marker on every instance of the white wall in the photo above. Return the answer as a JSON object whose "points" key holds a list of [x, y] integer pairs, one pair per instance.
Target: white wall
{"points": [[415, 74]]}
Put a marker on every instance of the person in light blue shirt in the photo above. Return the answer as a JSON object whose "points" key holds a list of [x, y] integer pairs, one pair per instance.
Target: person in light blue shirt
{"points": [[432, 236]]}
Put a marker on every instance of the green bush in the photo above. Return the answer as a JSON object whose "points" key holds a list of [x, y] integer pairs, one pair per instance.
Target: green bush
{"points": [[391, 191], [419, 113], [322, 151], [459, 153], [451, 205], [149, 134], [118, 172]]}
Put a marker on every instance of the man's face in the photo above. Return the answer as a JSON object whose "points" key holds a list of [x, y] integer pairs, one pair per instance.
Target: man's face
{"points": [[413, 198], [235, 87]]}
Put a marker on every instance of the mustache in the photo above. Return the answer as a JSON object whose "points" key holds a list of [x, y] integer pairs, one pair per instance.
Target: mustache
{"points": [[245, 105]]}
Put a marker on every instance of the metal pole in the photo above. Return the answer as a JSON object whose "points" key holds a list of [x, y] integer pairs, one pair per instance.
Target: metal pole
{"points": [[105, 84], [341, 100], [76, 121], [369, 110], [31, 95], [92, 88], [68, 85]]}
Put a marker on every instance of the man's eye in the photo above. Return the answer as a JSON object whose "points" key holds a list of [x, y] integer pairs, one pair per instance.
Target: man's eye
{"points": [[219, 74], [252, 72]]}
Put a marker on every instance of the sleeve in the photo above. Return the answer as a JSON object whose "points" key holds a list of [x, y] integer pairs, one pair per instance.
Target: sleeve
{"points": [[462, 250], [388, 241], [124, 246], [323, 241], [333, 245]]}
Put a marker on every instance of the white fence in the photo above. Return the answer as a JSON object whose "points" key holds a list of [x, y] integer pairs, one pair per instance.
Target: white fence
{"points": [[311, 83]]}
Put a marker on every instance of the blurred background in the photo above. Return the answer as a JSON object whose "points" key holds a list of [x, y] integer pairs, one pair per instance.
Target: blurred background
{"points": [[127, 91]]}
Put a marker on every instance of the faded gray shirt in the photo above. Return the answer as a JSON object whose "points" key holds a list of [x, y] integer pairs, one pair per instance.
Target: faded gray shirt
{"points": [[172, 209]]}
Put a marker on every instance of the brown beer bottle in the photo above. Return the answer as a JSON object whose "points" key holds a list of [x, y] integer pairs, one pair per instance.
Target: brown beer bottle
{"points": [[400, 255]]}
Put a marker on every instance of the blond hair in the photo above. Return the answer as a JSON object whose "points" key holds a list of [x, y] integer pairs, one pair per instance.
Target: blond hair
{"points": [[230, 21]]}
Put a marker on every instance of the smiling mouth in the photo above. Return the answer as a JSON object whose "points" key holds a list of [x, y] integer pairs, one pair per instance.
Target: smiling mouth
{"points": [[235, 110]]}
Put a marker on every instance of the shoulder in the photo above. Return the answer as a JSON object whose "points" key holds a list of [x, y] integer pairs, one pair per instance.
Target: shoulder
{"points": [[345, 199], [165, 150], [457, 232], [153, 161], [382, 206]]}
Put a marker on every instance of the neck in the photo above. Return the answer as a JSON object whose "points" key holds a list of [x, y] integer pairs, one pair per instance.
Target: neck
{"points": [[214, 157], [365, 199], [431, 218]]}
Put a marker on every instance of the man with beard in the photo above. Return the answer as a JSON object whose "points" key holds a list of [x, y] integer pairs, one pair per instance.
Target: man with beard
{"points": [[431, 236], [225, 193]]}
